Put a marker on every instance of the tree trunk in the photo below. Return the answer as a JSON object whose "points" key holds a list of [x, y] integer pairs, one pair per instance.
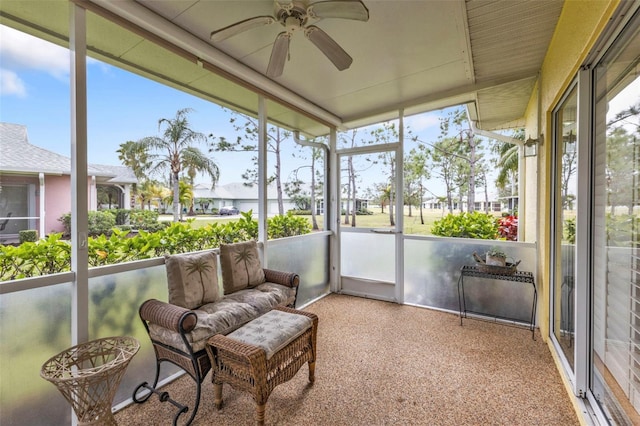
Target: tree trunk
{"points": [[392, 179], [472, 173], [487, 207], [421, 216], [177, 213], [353, 194]]}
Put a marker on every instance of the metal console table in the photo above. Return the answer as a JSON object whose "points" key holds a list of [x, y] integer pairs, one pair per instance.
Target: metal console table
{"points": [[518, 276]]}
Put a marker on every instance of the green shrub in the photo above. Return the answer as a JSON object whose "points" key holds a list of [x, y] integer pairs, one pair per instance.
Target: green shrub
{"points": [[99, 222], [53, 255], [121, 216], [570, 231], [364, 212], [46, 256], [28, 235], [297, 212], [143, 219], [467, 225], [287, 226]]}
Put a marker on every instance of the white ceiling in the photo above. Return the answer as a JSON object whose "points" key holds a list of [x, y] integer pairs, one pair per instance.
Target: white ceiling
{"points": [[417, 55]]}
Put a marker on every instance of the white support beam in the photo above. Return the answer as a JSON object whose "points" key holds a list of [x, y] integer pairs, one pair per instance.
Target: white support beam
{"points": [[79, 186], [42, 212], [584, 232], [262, 175], [332, 206], [399, 177]]}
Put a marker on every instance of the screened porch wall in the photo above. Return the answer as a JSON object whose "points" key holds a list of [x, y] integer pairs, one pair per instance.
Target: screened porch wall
{"points": [[35, 324], [432, 269]]}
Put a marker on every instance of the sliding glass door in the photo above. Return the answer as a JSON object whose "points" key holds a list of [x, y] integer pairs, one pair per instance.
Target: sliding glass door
{"points": [[615, 352]]}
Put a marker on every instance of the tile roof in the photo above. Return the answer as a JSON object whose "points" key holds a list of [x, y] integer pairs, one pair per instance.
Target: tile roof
{"points": [[17, 155]]}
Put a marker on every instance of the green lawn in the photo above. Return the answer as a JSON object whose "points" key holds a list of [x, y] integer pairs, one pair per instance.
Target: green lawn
{"points": [[412, 224]]}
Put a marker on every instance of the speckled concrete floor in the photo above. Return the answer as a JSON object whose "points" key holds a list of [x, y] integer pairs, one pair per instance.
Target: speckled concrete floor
{"points": [[381, 363]]}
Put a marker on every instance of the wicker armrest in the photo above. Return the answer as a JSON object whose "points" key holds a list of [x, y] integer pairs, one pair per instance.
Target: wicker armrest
{"points": [[169, 316], [290, 279]]}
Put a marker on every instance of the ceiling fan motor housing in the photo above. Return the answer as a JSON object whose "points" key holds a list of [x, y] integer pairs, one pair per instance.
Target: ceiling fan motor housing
{"points": [[292, 16]]}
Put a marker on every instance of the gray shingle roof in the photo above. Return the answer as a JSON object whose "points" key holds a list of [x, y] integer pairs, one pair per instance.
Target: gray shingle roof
{"points": [[233, 191], [17, 155]]}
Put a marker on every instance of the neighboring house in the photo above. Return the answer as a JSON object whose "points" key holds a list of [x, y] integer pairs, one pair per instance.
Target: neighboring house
{"points": [[495, 203], [361, 204], [35, 185], [239, 195]]}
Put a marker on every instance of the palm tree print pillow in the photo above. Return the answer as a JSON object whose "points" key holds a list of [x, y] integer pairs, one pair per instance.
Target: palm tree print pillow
{"points": [[192, 279], [241, 266]]}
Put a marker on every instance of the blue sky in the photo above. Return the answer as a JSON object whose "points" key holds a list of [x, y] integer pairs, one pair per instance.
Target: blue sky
{"points": [[34, 91]]}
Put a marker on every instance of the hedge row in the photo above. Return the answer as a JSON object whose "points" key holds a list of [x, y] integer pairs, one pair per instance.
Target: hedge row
{"points": [[53, 254]]}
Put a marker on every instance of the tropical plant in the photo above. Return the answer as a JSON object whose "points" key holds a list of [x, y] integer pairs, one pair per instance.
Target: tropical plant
{"points": [[508, 227], [508, 160], [174, 152]]}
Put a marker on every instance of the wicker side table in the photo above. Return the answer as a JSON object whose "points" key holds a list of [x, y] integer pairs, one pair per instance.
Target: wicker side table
{"points": [[88, 376], [248, 367]]}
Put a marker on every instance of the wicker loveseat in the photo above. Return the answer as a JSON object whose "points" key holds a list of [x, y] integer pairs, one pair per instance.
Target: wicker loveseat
{"points": [[198, 309]]}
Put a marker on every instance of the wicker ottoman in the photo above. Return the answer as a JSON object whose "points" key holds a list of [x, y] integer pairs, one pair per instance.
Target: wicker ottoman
{"points": [[264, 353]]}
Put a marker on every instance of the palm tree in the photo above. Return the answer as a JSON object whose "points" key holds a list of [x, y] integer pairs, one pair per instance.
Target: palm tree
{"points": [[200, 266], [174, 151], [509, 157], [156, 193], [185, 195], [245, 256], [136, 157]]}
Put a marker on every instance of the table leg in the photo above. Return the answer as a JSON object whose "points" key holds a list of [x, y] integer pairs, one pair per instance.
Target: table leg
{"points": [[217, 395], [260, 409], [312, 371]]}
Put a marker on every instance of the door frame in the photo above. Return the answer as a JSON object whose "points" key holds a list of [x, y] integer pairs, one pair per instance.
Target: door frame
{"points": [[397, 149]]}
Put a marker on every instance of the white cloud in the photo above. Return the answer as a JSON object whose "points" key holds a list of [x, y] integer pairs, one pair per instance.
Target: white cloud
{"points": [[422, 121], [20, 51], [628, 97], [11, 84]]}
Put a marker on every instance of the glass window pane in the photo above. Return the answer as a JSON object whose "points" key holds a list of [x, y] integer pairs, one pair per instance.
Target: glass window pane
{"points": [[615, 373], [35, 325], [565, 224]]}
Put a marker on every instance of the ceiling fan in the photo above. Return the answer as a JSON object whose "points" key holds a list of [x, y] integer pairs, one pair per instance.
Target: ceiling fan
{"points": [[295, 16]]}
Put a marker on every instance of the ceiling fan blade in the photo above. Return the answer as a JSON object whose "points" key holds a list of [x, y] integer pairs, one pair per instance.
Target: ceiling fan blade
{"points": [[345, 9], [329, 47], [241, 26], [279, 55]]}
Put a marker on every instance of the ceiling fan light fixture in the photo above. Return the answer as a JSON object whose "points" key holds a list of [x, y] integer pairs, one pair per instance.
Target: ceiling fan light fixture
{"points": [[329, 47]]}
